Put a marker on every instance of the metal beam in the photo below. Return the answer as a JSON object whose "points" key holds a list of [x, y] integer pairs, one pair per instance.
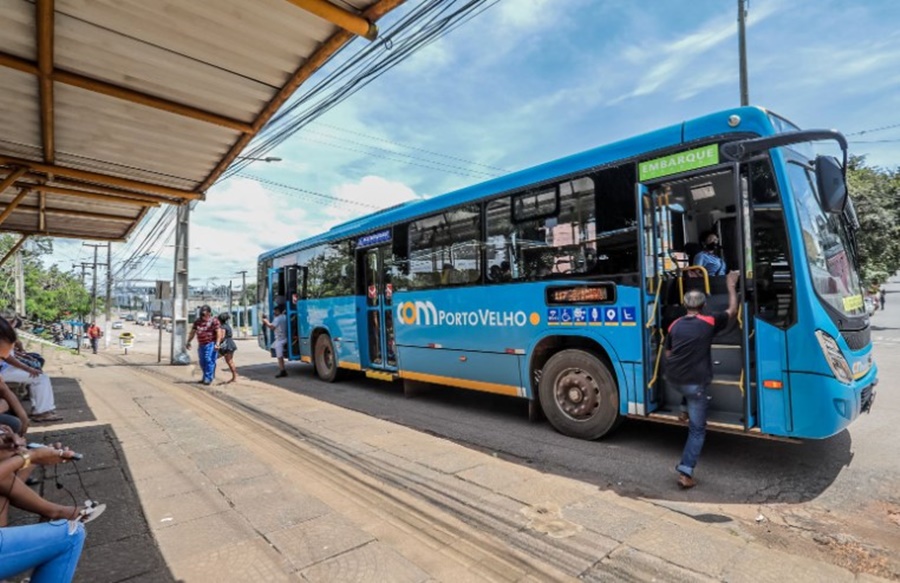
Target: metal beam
{"points": [[339, 17], [12, 251], [135, 200], [97, 86], [104, 179], [62, 186], [11, 205], [112, 197], [42, 211], [45, 18], [12, 177], [23, 208], [310, 66]]}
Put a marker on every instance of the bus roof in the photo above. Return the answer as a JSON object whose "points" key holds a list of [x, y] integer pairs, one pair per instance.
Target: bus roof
{"points": [[754, 120]]}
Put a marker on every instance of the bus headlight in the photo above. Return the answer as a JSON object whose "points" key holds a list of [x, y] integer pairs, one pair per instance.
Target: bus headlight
{"points": [[834, 357]]}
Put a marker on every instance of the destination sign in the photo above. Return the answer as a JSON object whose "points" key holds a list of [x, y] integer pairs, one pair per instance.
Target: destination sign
{"points": [[592, 293], [374, 239]]}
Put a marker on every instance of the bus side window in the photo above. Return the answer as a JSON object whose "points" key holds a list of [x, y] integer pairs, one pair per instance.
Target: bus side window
{"points": [[617, 233], [445, 249]]}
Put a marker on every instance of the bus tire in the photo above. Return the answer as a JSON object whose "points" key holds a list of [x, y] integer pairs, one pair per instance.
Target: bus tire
{"points": [[579, 395], [325, 359]]}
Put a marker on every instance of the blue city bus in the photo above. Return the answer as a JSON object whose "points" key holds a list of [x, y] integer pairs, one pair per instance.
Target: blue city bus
{"points": [[557, 284]]}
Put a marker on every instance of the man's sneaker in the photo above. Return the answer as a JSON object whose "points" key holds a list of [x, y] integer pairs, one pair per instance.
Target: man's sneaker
{"points": [[281, 374], [686, 482]]}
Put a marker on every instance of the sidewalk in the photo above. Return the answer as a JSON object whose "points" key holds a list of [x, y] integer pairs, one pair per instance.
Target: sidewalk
{"points": [[252, 482]]}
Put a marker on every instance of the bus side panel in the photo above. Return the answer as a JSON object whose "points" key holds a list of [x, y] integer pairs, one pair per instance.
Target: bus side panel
{"points": [[774, 403], [337, 316], [480, 371]]}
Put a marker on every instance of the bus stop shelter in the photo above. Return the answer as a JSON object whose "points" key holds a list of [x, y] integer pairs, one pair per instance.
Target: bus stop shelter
{"points": [[111, 107]]}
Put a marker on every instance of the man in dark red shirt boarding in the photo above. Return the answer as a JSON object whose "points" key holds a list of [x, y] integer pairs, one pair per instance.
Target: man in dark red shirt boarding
{"points": [[689, 367]]}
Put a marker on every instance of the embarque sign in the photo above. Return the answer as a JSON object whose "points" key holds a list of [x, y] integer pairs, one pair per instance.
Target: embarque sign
{"points": [[680, 162]]}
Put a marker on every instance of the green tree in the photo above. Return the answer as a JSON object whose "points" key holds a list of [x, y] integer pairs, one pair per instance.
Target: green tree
{"points": [[876, 193], [50, 294]]}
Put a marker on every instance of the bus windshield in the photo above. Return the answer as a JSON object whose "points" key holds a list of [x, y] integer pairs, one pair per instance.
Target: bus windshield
{"points": [[829, 251]]}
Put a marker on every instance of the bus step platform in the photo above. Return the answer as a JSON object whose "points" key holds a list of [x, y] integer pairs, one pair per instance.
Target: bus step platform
{"points": [[381, 375]]}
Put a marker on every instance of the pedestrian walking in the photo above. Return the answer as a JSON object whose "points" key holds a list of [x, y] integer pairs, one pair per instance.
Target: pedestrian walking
{"points": [[689, 367], [279, 326], [209, 334], [881, 297], [227, 346], [94, 333]]}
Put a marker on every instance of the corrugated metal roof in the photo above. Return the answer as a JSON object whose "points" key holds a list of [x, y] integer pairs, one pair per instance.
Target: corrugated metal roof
{"points": [[109, 107]]}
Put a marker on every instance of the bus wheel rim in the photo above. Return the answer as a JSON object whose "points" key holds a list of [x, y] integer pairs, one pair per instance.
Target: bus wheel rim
{"points": [[577, 394]]}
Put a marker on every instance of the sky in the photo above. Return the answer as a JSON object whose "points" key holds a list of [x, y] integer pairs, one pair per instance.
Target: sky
{"points": [[528, 81]]}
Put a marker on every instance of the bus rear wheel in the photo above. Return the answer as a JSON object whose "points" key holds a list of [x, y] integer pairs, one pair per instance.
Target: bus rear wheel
{"points": [[579, 395], [325, 359]]}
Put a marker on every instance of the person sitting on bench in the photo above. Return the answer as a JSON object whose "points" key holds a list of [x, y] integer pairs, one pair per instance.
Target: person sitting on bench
{"points": [[43, 407]]}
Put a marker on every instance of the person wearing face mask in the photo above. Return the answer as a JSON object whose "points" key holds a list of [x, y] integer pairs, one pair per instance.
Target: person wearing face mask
{"points": [[709, 257]]}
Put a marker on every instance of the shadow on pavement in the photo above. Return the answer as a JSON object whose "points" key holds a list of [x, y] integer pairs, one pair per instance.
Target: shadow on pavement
{"points": [[119, 545], [637, 460]]}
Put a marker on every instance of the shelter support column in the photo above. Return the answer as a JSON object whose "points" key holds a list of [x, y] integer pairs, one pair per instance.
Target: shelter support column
{"points": [[180, 287]]}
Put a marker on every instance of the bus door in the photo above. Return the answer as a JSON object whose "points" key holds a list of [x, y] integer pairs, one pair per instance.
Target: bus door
{"points": [[275, 297], [283, 291], [658, 262], [292, 297], [378, 330]]}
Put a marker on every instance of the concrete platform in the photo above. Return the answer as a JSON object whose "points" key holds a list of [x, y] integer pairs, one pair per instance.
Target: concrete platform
{"points": [[249, 482]]}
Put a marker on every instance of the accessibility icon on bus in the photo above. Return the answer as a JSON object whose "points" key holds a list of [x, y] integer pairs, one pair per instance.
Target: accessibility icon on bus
{"points": [[629, 316], [595, 316], [611, 316], [566, 316]]}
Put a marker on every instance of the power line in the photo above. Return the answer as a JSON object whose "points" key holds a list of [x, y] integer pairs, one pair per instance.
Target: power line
{"points": [[304, 191], [414, 148], [874, 141], [422, 26], [387, 155], [882, 128]]}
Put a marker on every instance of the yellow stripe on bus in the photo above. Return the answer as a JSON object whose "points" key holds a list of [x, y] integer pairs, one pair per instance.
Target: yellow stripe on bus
{"points": [[464, 383], [350, 365]]}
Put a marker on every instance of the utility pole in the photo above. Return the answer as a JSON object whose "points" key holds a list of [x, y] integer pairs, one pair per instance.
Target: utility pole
{"points": [[80, 332], [19, 285], [94, 284], [246, 318], [230, 295], [108, 326], [180, 286], [742, 50]]}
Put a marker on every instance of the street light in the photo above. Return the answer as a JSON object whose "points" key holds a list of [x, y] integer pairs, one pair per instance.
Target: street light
{"points": [[255, 159]]}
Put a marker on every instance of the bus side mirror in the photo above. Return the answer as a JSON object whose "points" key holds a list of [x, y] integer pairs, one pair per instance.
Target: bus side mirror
{"points": [[830, 180]]}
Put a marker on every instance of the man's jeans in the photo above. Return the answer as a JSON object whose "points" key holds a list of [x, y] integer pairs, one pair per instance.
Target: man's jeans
{"points": [[207, 355], [697, 404], [51, 548]]}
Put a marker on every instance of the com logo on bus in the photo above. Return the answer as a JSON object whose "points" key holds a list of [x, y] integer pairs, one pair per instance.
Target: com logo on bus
{"points": [[425, 313]]}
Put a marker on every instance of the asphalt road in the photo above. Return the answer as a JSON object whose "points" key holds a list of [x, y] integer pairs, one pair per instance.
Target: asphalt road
{"points": [[848, 484]]}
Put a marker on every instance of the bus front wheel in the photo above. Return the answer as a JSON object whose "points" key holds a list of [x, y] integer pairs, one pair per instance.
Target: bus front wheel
{"points": [[325, 359], [579, 395]]}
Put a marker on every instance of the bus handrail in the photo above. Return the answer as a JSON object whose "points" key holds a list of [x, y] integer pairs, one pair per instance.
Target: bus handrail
{"points": [[652, 319], [702, 271]]}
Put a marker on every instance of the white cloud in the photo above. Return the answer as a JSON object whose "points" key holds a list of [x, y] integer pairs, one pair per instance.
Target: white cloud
{"points": [[376, 191]]}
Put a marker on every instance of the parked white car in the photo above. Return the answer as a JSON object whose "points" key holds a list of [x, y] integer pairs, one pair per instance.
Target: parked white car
{"points": [[870, 306]]}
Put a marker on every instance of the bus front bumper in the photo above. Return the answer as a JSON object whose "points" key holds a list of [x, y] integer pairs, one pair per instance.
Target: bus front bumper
{"points": [[823, 407]]}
